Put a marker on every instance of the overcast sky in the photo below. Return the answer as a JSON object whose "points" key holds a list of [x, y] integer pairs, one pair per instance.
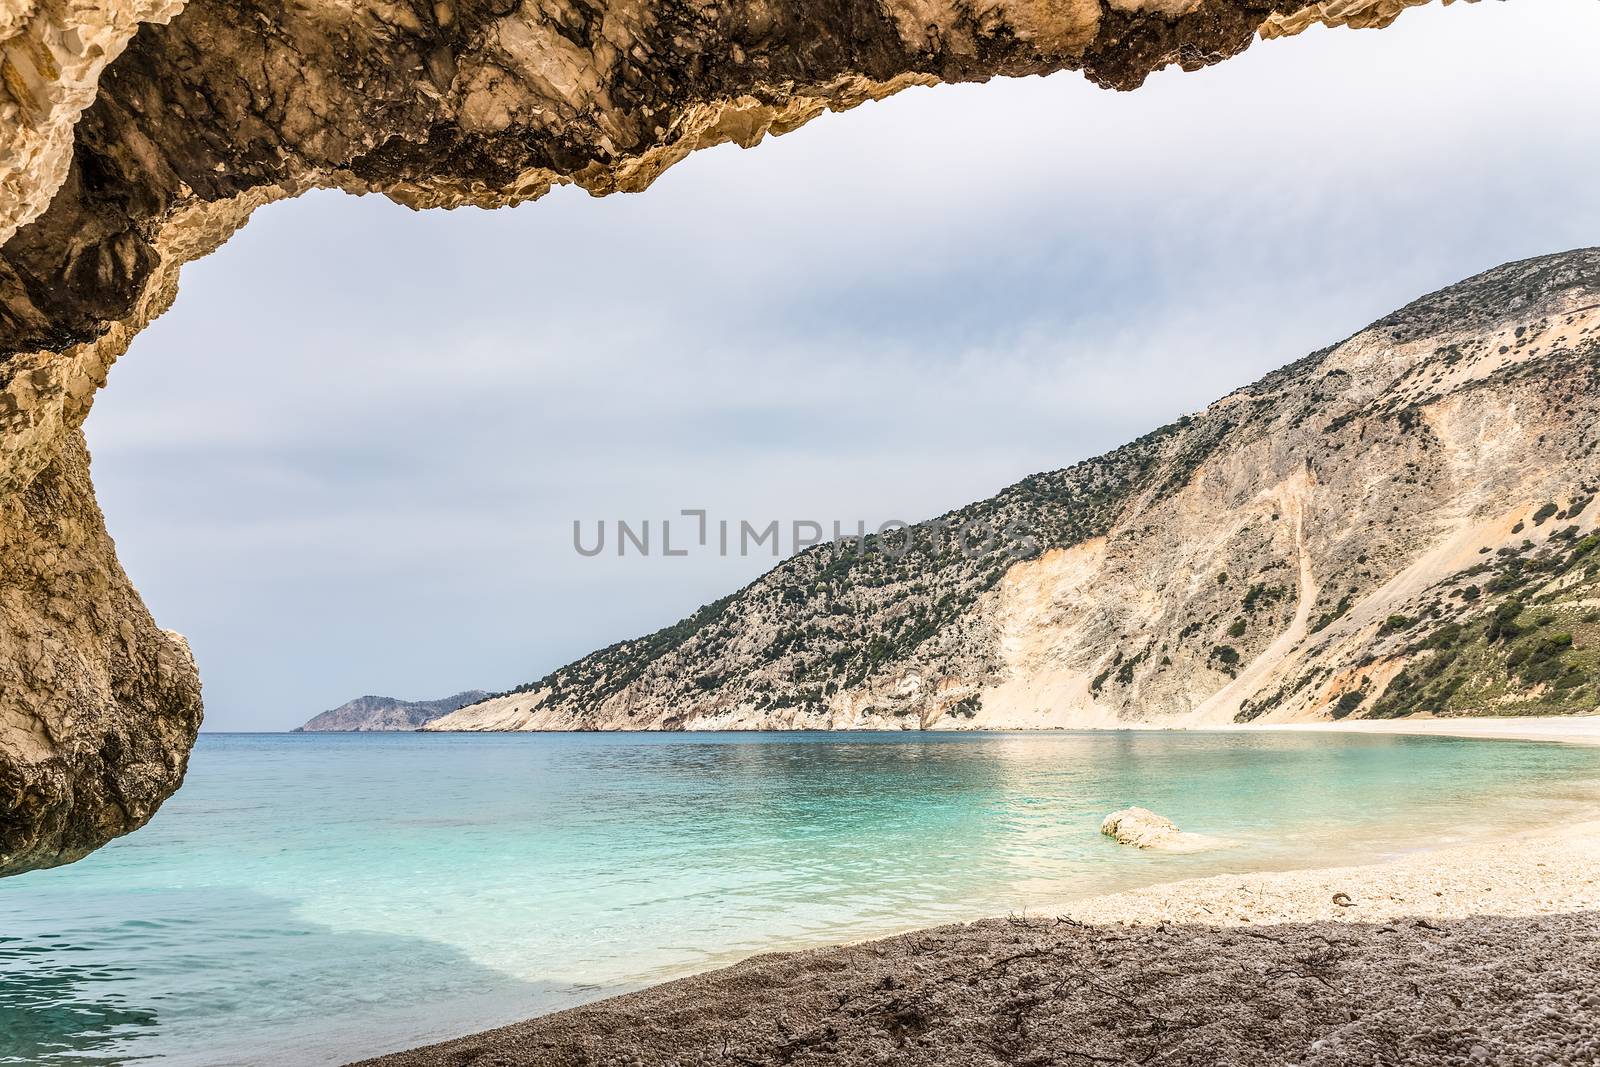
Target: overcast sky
{"points": [[350, 458]]}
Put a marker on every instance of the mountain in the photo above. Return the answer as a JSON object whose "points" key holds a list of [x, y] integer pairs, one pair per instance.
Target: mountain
{"points": [[387, 713], [1399, 523]]}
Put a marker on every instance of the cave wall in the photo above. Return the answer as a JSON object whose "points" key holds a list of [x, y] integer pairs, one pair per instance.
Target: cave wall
{"points": [[136, 135], [100, 706]]}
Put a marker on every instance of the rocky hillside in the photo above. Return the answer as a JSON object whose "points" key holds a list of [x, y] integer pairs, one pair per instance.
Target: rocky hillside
{"points": [[1400, 523], [386, 713]]}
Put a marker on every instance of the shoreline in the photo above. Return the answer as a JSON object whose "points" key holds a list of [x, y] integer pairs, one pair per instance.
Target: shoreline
{"points": [[1565, 729], [1312, 966]]}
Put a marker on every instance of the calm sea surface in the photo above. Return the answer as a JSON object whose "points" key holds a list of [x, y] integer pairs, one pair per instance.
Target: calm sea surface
{"points": [[307, 899]]}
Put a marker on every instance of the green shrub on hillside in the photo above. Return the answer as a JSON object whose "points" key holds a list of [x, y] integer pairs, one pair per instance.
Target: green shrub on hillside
{"points": [[1348, 703]]}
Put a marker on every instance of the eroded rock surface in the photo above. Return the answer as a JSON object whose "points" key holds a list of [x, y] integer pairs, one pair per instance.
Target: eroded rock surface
{"points": [[52, 53], [100, 707], [136, 135]]}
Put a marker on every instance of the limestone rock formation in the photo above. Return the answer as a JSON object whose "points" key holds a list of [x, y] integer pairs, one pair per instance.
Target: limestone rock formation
{"points": [[1144, 829], [51, 56], [137, 135], [1399, 523], [98, 707], [375, 713]]}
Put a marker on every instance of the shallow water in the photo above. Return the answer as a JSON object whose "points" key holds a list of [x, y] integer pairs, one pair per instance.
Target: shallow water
{"points": [[312, 898]]}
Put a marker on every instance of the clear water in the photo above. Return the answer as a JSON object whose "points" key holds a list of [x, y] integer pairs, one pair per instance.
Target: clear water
{"points": [[309, 899]]}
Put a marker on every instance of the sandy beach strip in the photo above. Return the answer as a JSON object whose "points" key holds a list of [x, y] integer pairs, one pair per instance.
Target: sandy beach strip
{"points": [[1485, 954], [1571, 729]]}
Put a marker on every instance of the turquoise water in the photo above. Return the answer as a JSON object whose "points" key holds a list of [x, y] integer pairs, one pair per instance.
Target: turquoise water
{"points": [[308, 899]]}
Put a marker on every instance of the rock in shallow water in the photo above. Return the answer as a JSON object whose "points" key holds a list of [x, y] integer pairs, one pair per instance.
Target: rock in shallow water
{"points": [[1143, 828]]}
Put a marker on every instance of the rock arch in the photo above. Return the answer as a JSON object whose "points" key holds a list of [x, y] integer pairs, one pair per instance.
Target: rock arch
{"points": [[136, 135]]}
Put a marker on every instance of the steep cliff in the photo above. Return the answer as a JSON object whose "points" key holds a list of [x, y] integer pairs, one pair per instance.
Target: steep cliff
{"points": [[375, 713], [137, 135], [1399, 523]]}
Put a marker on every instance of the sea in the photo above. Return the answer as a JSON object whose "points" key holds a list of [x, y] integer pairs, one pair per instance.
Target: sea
{"points": [[316, 898]]}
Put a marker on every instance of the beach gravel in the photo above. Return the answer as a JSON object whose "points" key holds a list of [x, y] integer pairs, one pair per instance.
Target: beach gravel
{"points": [[1487, 954]]}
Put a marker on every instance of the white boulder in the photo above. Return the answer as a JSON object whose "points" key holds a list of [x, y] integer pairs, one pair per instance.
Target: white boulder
{"points": [[1143, 828]]}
